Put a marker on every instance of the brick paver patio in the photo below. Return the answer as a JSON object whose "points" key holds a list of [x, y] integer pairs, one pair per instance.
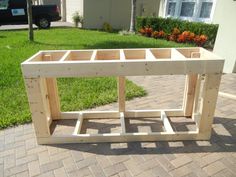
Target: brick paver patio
{"points": [[21, 156]]}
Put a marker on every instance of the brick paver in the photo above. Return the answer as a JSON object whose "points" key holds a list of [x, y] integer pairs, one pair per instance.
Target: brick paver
{"points": [[21, 156]]}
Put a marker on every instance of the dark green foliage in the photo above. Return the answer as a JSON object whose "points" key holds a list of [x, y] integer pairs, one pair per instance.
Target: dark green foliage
{"points": [[168, 24]]}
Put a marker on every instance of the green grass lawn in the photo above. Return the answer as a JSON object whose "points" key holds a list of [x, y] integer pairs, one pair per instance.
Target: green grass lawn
{"points": [[75, 94]]}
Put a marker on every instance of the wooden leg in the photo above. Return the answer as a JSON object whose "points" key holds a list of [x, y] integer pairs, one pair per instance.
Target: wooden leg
{"points": [[121, 93], [208, 104], [54, 101], [196, 110], [39, 105], [197, 93], [190, 86]]}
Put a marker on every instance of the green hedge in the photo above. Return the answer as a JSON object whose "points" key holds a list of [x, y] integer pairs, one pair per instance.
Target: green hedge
{"points": [[167, 25]]}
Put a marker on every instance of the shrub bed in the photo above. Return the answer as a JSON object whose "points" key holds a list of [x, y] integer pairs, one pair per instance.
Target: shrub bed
{"points": [[176, 35], [168, 24]]}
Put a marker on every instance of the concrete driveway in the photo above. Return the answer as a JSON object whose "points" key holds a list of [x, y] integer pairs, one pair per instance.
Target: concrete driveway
{"points": [[16, 27]]}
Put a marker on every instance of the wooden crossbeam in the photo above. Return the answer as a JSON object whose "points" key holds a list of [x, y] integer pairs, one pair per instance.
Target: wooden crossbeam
{"points": [[227, 95], [122, 55], [93, 57], [166, 122], [153, 113], [78, 126], [65, 57], [116, 114], [176, 54], [122, 122], [149, 55], [118, 137]]}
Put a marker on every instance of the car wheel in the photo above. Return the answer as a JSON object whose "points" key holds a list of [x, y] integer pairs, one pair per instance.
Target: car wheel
{"points": [[43, 23]]}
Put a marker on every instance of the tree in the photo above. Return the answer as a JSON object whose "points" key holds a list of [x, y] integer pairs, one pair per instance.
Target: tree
{"points": [[133, 16], [30, 20]]}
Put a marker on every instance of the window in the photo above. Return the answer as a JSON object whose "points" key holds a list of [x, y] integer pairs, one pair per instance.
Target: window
{"points": [[193, 10], [187, 9], [3, 4], [206, 9], [171, 8]]}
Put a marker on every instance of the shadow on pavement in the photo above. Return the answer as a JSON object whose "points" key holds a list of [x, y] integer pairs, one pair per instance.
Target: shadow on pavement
{"points": [[223, 139]]}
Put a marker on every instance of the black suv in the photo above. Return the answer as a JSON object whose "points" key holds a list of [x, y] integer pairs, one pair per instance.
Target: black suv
{"points": [[15, 12]]}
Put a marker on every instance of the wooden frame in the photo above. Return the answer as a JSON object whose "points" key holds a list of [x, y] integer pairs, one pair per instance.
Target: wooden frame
{"points": [[202, 68]]}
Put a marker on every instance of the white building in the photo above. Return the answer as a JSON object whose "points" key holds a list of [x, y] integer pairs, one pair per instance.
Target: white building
{"points": [[114, 12], [222, 12], [192, 10]]}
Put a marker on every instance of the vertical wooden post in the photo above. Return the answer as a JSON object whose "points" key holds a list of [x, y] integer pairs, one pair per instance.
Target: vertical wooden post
{"points": [[39, 106], [190, 86], [121, 93], [210, 91], [53, 96], [54, 101], [197, 94]]}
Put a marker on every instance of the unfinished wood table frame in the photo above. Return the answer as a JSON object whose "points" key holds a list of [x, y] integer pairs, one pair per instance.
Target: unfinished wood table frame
{"points": [[202, 68]]}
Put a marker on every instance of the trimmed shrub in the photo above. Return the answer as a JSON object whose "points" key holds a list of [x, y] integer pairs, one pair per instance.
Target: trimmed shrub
{"points": [[168, 24], [107, 27]]}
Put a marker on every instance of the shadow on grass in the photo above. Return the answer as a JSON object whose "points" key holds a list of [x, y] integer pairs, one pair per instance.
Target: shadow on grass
{"points": [[111, 44], [217, 143], [123, 44]]}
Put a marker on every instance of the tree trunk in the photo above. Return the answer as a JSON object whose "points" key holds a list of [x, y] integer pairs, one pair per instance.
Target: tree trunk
{"points": [[133, 16], [63, 10], [30, 20]]}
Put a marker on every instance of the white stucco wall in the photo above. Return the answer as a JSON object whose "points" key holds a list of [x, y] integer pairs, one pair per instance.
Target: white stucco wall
{"points": [[148, 7], [115, 12], [225, 45], [96, 13], [72, 6]]}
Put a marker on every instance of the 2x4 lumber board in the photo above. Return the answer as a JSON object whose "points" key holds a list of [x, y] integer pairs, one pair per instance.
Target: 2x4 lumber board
{"points": [[122, 55], [175, 54], [53, 97], [39, 106], [197, 93], [93, 57], [149, 55], [127, 114], [34, 57], [78, 125], [121, 93], [189, 92], [91, 114], [210, 88], [65, 56], [153, 113], [121, 68], [166, 122], [227, 95], [122, 122], [118, 137], [52, 91], [207, 54], [195, 55], [47, 57], [196, 118]]}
